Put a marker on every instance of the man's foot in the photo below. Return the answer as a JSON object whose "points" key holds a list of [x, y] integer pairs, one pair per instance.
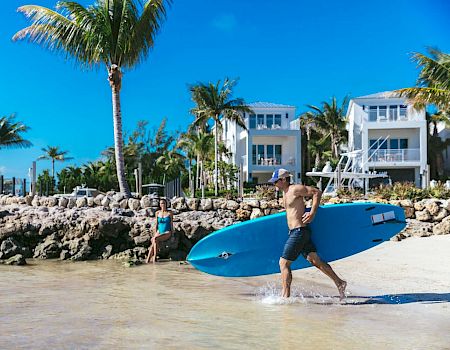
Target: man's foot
{"points": [[341, 288]]}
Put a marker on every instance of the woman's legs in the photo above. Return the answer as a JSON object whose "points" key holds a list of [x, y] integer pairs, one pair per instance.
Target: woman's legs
{"points": [[154, 247]]}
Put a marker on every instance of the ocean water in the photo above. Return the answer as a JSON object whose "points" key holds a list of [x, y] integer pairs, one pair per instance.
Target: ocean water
{"points": [[106, 305]]}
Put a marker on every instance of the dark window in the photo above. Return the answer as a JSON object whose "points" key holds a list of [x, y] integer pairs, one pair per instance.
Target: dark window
{"points": [[393, 143], [373, 113], [278, 153], [253, 154], [278, 120], [252, 121], [403, 109], [392, 113], [260, 120], [260, 155], [403, 143], [382, 112], [269, 120]]}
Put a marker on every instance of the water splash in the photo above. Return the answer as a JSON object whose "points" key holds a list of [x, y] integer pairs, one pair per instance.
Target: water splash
{"points": [[270, 294]]}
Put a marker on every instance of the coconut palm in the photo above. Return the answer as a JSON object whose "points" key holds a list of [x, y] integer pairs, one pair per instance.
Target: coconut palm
{"points": [[215, 102], [116, 33], [10, 133], [202, 145], [433, 83], [330, 121], [172, 163], [55, 155]]}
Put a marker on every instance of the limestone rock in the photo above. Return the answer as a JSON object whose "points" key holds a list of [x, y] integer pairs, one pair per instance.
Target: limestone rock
{"points": [[423, 215], [253, 203], [419, 206], [232, 205], [440, 215], [407, 203], [134, 204], [106, 201], [242, 214], [179, 204], [409, 212], [63, 202], [192, 203], [432, 207], [219, 203], [206, 204], [443, 228], [17, 259], [98, 199], [81, 202], [256, 213]]}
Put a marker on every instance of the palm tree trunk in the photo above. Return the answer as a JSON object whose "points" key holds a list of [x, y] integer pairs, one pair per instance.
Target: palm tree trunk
{"points": [[216, 172], [115, 79]]}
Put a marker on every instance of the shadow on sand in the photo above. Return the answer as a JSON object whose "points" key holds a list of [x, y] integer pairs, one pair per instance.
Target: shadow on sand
{"points": [[398, 299]]}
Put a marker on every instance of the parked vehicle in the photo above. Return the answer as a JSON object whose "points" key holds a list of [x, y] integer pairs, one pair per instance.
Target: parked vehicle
{"points": [[81, 191]]}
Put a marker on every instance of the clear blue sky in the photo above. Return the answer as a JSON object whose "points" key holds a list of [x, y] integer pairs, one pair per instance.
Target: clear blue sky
{"points": [[292, 52]]}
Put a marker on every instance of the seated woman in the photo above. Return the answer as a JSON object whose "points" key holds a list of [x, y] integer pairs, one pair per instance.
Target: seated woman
{"points": [[163, 229]]}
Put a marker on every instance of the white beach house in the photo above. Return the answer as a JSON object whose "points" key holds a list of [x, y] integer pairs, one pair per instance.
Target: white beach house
{"points": [[272, 140], [395, 133]]}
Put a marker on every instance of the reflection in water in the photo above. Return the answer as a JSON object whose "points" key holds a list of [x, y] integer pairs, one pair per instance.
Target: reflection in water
{"points": [[104, 304]]}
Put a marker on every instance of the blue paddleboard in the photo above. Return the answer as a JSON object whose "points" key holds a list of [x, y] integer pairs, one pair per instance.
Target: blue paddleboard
{"points": [[254, 247]]}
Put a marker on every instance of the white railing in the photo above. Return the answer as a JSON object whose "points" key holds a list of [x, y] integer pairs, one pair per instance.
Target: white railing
{"points": [[395, 155], [277, 161], [273, 127]]}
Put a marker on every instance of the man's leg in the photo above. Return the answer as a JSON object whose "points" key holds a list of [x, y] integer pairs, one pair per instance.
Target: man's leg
{"points": [[314, 259], [286, 277]]}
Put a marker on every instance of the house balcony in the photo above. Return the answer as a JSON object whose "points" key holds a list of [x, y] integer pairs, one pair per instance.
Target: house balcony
{"points": [[395, 155], [270, 163]]}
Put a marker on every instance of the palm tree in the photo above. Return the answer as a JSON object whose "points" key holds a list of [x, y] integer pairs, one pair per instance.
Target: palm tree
{"points": [[55, 154], [116, 33], [202, 145], [10, 133], [330, 121], [172, 163], [433, 83], [215, 102]]}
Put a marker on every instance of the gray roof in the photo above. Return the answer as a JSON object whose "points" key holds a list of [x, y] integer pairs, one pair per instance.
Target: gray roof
{"points": [[383, 95], [268, 105]]}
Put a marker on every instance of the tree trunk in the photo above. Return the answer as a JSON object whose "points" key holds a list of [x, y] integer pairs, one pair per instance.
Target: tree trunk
{"points": [[115, 80], [216, 172]]}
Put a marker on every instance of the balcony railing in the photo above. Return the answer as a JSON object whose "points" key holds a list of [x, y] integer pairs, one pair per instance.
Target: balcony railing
{"points": [[270, 161], [395, 155], [273, 127]]}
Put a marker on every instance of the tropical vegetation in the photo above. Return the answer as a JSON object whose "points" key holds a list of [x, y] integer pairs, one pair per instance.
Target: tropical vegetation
{"points": [[215, 102], [432, 89], [11, 132], [116, 33]]}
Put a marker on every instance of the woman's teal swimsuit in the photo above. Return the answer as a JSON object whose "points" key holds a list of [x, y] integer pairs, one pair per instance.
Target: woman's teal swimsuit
{"points": [[164, 225]]}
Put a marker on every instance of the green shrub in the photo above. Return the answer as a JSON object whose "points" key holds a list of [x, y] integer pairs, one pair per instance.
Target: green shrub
{"points": [[266, 192], [439, 191], [401, 190]]}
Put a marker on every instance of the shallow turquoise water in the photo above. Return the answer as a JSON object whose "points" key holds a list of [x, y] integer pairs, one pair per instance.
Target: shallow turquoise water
{"points": [[102, 304]]}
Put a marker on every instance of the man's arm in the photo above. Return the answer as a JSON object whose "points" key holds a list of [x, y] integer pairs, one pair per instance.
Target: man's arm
{"points": [[315, 194]]}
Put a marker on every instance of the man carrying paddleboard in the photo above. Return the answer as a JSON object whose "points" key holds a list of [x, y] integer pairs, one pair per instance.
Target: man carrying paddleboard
{"points": [[299, 241]]}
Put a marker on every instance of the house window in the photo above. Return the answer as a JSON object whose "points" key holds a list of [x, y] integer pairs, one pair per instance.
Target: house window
{"points": [[266, 154], [403, 143], [270, 153], [403, 109], [277, 120], [278, 154], [252, 121], [382, 112], [392, 113], [393, 143], [269, 120], [373, 113], [260, 120]]}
